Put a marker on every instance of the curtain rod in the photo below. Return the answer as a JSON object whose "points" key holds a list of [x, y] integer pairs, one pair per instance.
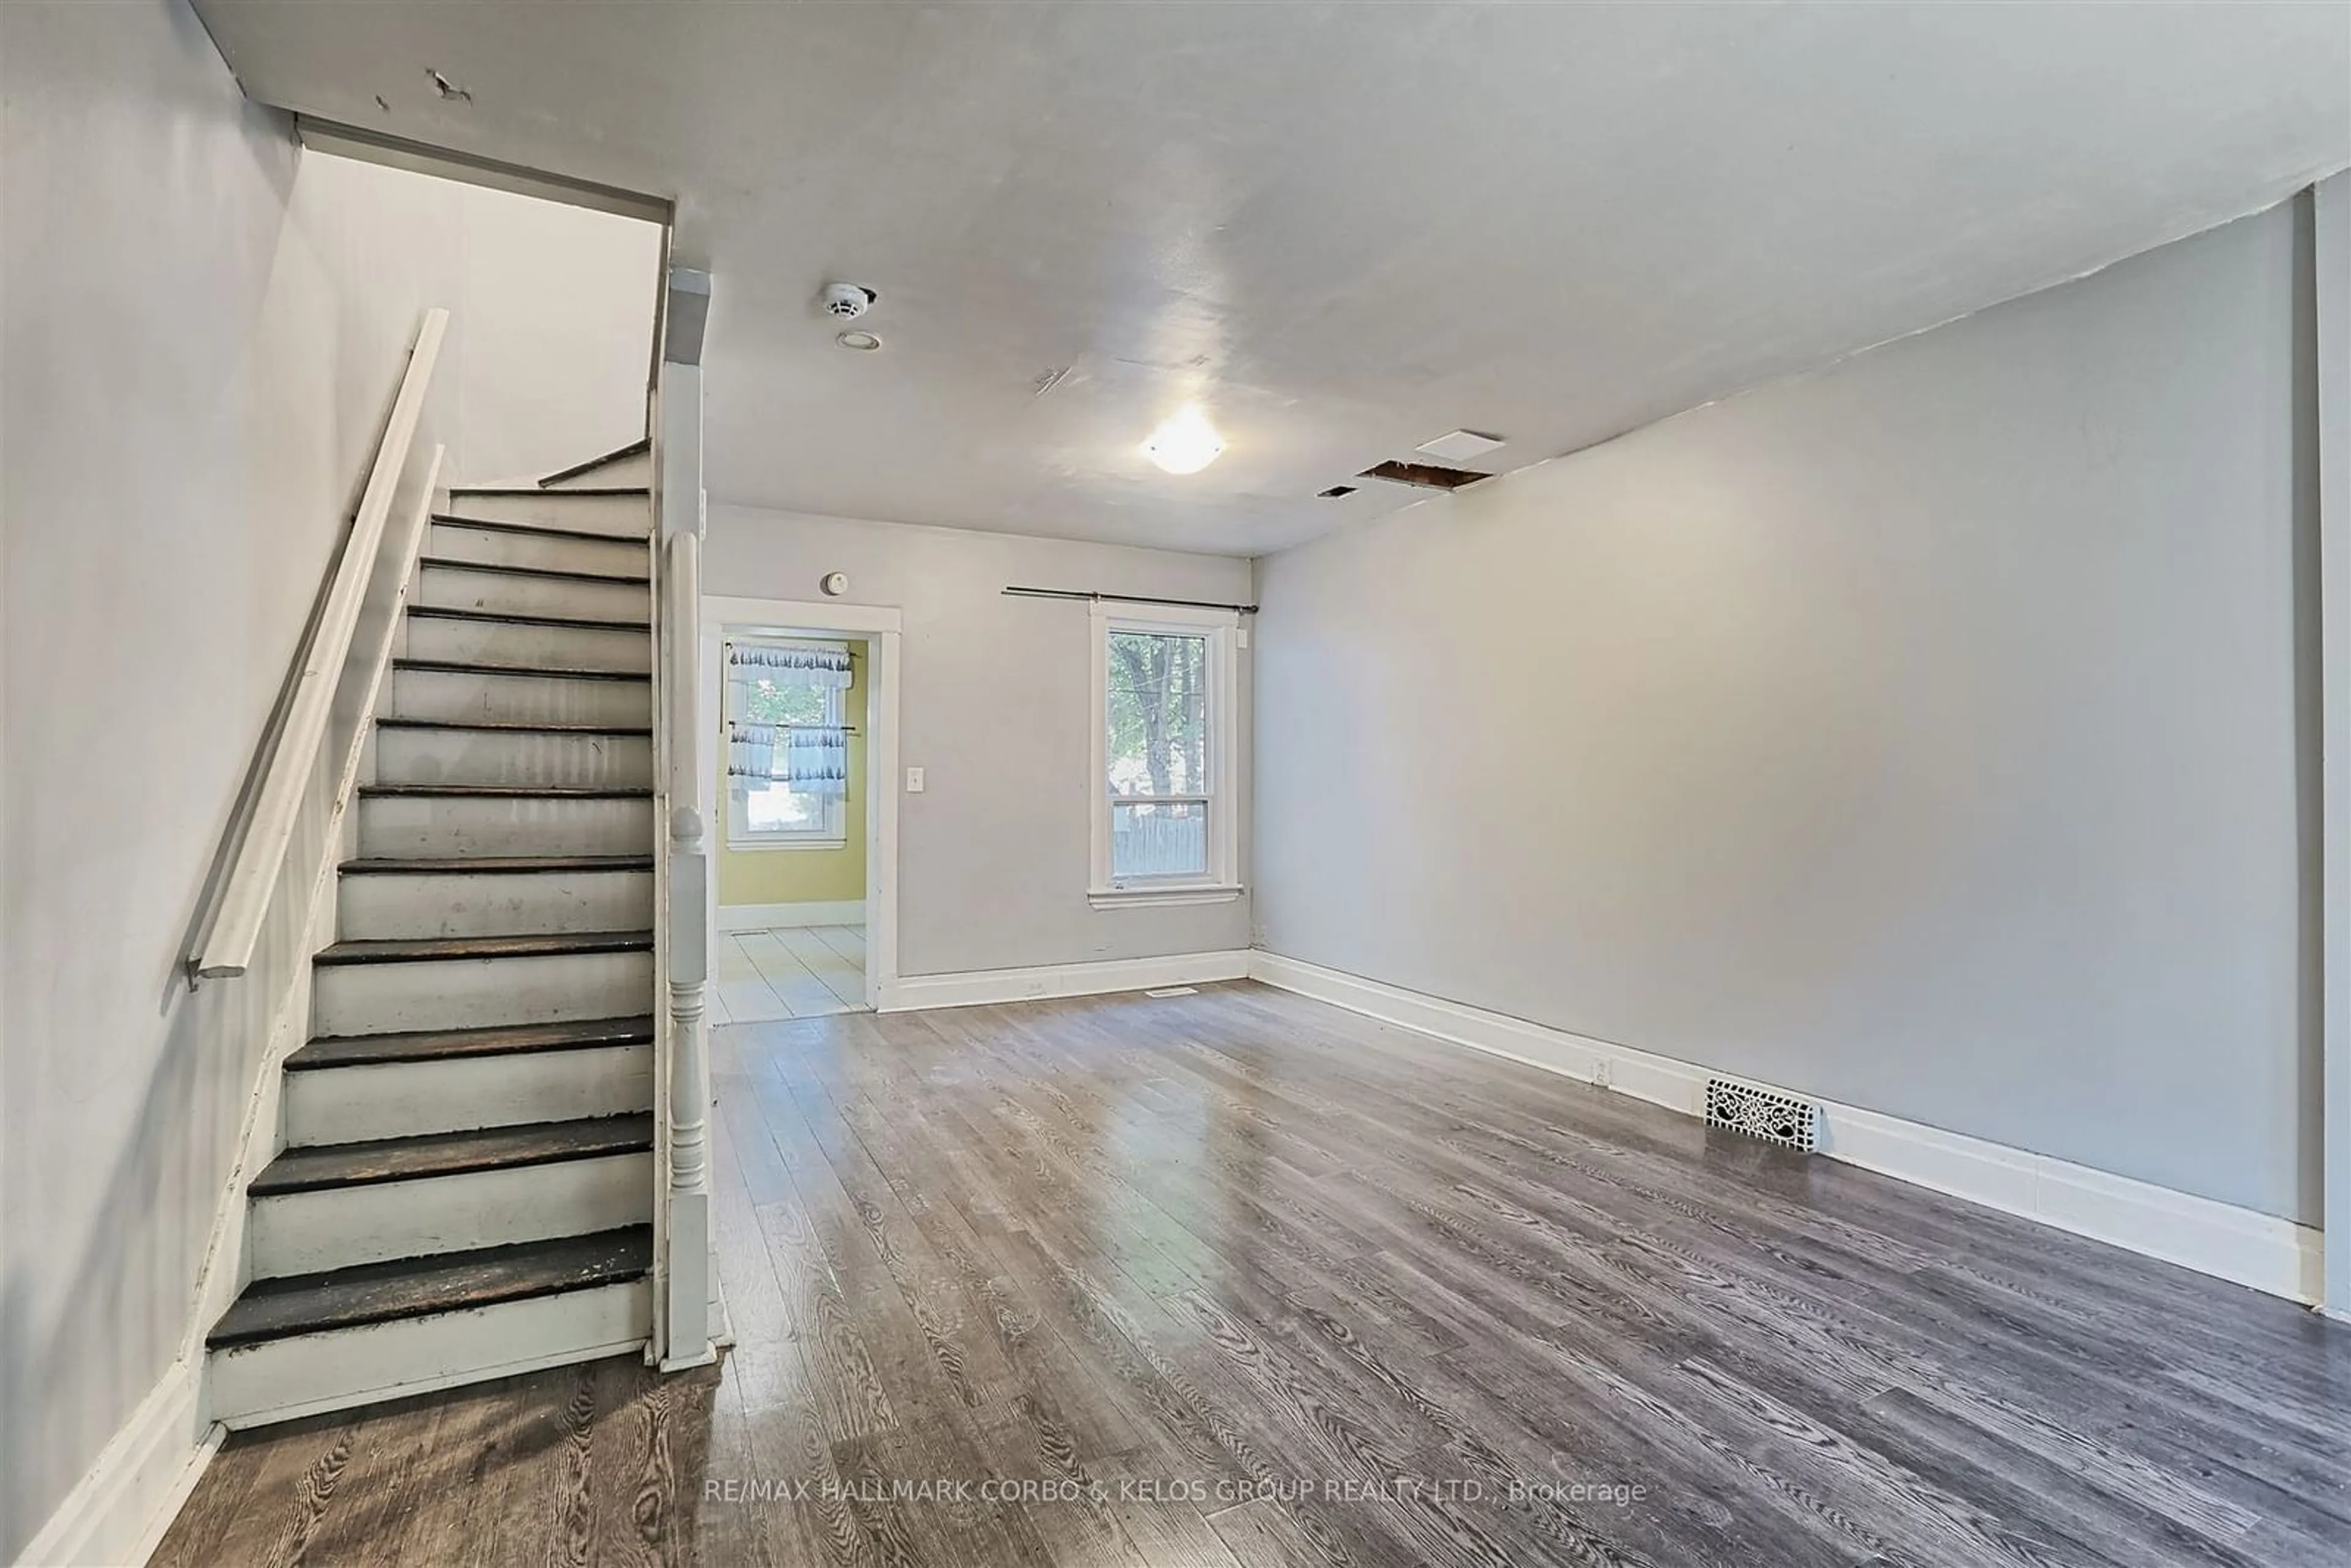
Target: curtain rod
{"points": [[733, 724], [1127, 599]]}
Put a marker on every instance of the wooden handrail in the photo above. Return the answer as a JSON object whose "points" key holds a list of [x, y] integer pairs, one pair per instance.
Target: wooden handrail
{"points": [[235, 928]]}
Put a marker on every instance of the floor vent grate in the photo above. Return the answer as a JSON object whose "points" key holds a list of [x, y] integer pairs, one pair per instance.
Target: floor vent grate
{"points": [[1760, 1114], [1174, 991]]}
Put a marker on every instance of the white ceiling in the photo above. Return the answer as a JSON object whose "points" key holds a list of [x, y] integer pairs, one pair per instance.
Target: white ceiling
{"points": [[1346, 229]]}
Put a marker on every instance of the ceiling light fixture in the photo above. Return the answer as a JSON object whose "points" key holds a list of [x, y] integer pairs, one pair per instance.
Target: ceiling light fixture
{"points": [[1185, 441], [863, 343]]}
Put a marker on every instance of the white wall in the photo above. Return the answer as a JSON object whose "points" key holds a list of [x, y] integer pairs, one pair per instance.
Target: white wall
{"points": [[995, 705], [202, 332], [556, 304], [552, 307], [1925, 733]]}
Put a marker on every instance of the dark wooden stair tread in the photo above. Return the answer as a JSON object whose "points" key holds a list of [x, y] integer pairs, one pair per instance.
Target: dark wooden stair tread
{"points": [[544, 727], [533, 944], [501, 525], [505, 570], [539, 494], [311, 1167], [486, 865], [442, 1282], [643, 443], [514, 791], [452, 1044], [568, 622], [524, 672]]}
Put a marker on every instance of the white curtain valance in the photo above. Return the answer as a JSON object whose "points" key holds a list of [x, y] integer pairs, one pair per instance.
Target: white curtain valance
{"points": [[811, 759], [797, 666]]}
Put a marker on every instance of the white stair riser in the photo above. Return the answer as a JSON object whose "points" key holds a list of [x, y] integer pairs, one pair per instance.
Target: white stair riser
{"points": [[410, 826], [552, 647], [625, 517], [251, 1385], [560, 552], [465, 993], [637, 468], [452, 1094], [513, 757], [339, 1228], [502, 593], [377, 905], [465, 696]]}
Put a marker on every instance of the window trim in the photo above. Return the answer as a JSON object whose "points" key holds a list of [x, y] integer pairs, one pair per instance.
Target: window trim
{"points": [[1221, 884], [833, 833]]}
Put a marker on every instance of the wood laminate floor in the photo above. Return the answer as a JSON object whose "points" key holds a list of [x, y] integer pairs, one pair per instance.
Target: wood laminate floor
{"points": [[1241, 1279]]}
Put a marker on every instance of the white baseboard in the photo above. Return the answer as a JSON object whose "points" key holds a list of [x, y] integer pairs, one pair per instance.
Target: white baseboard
{"points": [[118, 1512], [2241, 1245], [980, 987], [768, 917]]}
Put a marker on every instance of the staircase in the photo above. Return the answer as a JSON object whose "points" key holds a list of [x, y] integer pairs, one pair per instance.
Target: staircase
{"points": [[467, 1182]]}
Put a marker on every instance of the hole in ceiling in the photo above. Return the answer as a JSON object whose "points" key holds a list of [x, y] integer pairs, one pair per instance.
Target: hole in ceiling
{"points": [[446, 88], [1427, 476], [1335, 491]]}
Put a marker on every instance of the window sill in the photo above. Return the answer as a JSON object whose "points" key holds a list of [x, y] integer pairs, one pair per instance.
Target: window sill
{"points": [[740, 846], [1176, 894]]}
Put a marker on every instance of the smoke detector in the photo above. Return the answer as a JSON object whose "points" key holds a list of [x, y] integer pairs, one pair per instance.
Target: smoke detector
{"points": [[848, 301]]}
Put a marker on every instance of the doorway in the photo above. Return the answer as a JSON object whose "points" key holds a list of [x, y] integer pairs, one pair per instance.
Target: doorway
{"points": [[799, 757]]}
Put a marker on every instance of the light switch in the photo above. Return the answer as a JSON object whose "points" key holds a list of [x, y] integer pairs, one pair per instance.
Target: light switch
{"points": [[914, 781]]}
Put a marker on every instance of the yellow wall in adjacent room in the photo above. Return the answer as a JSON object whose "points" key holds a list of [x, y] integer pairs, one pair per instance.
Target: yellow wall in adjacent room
{"points": [[808, 876]]}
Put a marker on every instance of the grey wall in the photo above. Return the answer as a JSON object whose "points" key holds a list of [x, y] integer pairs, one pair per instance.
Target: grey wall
{"points": [[1924, 733], [995, 705], [204, 328], [2331, 345]]}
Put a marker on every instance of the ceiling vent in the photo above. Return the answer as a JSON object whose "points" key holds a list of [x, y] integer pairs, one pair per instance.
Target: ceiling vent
{"points": [[1460, 447], [1427, 476]]}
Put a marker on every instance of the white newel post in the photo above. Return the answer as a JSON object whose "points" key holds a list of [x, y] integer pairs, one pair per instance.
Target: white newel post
{"points": [[688, 1314], [682, 1314]]}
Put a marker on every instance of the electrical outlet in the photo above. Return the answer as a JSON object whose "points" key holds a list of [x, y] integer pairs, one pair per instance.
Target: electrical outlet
{"points": [[1601, 1075]]}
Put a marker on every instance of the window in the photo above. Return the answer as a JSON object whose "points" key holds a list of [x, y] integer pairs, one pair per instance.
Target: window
{"points": [[786, 745], [1165, 792]]}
